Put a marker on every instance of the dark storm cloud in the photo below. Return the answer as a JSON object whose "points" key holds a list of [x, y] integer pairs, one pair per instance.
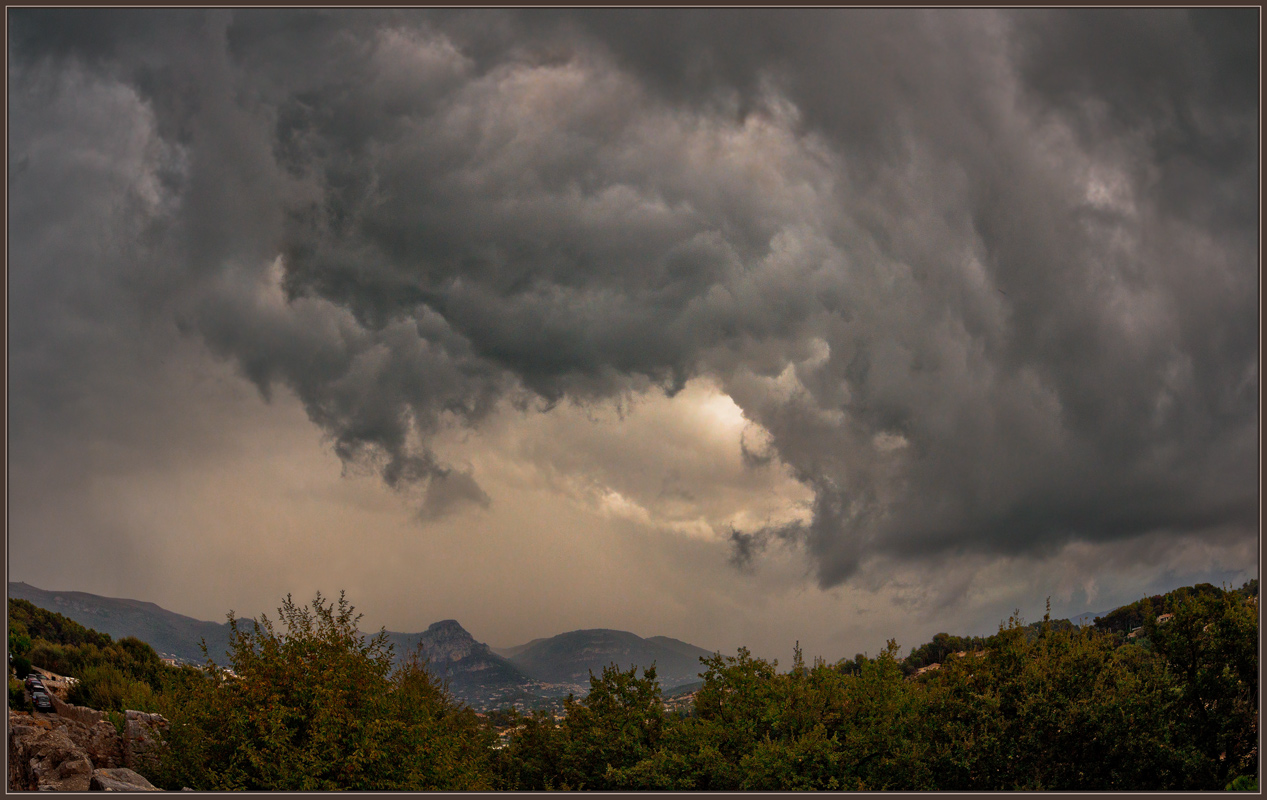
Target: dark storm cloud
{"points": [[988, 280]]}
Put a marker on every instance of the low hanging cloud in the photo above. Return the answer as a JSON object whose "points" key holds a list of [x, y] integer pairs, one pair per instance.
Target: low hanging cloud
{"points": [[985, 281]]}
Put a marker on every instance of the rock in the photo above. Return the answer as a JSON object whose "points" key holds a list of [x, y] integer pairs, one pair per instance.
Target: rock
{"points": [[54, 761], [80, 714], [20, 778], [141, 734], [73, 767], [56, 753], [120, 779], [100, 741], [52, 753], [103, 745]]}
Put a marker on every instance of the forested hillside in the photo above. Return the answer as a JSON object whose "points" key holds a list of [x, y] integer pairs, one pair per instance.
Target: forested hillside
{"points": [[111, 675]]}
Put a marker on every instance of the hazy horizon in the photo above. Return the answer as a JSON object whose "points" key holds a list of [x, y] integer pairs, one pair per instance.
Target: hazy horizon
{"points": [[739, 326], [906, 646]]}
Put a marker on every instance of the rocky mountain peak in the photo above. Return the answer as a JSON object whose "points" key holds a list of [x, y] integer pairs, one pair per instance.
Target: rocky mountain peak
{"points": [[448, 627], [449, 641]]}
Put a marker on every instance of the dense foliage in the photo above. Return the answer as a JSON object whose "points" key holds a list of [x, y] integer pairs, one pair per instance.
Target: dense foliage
{"points": [[30, 621], [1047, 705], [112, 676], [1043, 706], [17, 696], [1132, 616], [317, 707]]}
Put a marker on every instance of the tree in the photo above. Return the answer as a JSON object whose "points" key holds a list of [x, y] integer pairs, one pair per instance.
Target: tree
{"points": [[619, 723], [533, 758], [1210, 646], [1066, 710], [108, 688], [19, 643], [27, 618], [314, 707]]}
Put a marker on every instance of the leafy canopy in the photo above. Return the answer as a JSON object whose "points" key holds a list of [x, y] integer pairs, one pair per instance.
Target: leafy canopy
{"points": [[311, 704]]}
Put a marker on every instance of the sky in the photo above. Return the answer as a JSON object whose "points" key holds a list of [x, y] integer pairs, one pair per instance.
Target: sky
{"points": [[748, 327]]}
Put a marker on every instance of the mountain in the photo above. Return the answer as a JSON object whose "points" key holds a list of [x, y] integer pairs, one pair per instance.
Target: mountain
{"points": [[165, 631], [470, 667], [570, 657], [680, 647], [476, 675]]}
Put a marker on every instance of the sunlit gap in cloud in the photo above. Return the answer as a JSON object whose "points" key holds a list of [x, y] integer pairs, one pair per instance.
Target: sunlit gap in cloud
{"points": [[674, 463]]}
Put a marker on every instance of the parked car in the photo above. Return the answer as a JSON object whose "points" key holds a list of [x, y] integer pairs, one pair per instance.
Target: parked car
{"points": [[41, 701]]}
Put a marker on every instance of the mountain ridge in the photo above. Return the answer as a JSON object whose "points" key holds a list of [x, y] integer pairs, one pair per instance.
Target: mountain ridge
{"points": [[166, 631], [572, 656], [476, 673]]}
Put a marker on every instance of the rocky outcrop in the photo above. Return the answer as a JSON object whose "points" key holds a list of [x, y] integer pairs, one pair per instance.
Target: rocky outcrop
{"points": [[119, 780], [102, 744], [46, 759], [22, 726], [454, 655], [141, 737], [448, 641], [83, 714], [51, 752]]}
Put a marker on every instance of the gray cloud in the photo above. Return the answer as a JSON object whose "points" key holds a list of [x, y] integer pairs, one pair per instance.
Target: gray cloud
{"points": [[987, 279]]}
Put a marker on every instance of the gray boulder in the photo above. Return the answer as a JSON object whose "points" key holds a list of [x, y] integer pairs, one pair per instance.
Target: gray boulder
{"points": [[120, 779]]}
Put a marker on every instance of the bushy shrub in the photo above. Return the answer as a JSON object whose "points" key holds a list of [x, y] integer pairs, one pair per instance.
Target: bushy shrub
{"points": [[50, 656], [107, 688], [317, 707], [17, 696]]}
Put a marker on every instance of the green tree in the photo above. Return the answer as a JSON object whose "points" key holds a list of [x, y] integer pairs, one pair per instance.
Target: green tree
{"points": [[618, 724], [17, 696], [1210, 646], [1065, 710], [106, 687], [316, 706], [21, 666], [879, 722], [533, 758], [19, 642]]}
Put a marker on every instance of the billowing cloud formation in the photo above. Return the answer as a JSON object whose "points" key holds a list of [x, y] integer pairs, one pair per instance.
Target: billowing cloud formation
{"points": [[987, 281]]}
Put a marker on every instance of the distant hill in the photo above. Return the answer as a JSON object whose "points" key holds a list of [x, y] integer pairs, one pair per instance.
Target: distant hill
{"points": [[165, 631], [511, 652], [570, 657], [1087, 617], [685, 689]]}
